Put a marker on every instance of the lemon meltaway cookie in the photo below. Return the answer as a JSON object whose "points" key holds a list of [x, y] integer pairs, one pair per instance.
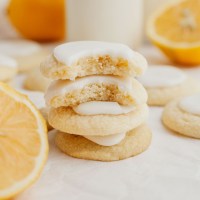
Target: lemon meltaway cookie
{"points": [[104, 119], [28, 54], [83, 58], [165, 83], [8, 68], [36, 81], [133, 143], [126, 91], [183, 116], [95, 101]]}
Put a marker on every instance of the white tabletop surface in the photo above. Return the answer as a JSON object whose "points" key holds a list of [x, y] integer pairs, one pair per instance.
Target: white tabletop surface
{"points": [[169, 169]]}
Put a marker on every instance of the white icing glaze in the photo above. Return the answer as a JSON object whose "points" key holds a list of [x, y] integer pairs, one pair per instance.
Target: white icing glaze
{"points": [[6, 61], [191, 104], [36, 97], [102, 107], [61, 87], [18, 47], [109, 140], [162, 76], [69, 53]]}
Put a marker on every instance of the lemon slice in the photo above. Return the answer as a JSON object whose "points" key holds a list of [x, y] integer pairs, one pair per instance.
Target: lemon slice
{"points": [[175, 29], [23, 142]]}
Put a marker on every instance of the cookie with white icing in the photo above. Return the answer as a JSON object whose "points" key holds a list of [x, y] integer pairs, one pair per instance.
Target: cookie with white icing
{"points": [[70, 120], [135, 142], [165, 83], [126, 91], [8, 68], [84, 58], [94, 95], [183, 116], [28, 54], [36, 81]]}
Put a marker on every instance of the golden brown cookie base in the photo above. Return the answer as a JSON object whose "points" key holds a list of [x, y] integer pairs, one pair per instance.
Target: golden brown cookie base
{"points": [[66, 120], [135, 142]]}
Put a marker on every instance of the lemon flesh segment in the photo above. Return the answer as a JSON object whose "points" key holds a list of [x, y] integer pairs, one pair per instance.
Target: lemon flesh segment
{"points": [[180, 23], [23, 142], [175, 29]]}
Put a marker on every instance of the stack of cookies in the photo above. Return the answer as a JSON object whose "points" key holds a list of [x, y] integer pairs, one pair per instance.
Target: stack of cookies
{"points": [[96, 105]]}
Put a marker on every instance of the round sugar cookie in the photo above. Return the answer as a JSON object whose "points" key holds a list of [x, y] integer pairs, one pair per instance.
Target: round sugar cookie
{"points": [[126, 91], [182, 117], [66, 120], [8, 68], [36, 81], [28, 54], [83, 58], [165, 83], [135, 142]]}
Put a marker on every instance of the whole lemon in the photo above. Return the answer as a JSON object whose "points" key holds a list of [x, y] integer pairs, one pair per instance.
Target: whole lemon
{"points": [[41, 20]]}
